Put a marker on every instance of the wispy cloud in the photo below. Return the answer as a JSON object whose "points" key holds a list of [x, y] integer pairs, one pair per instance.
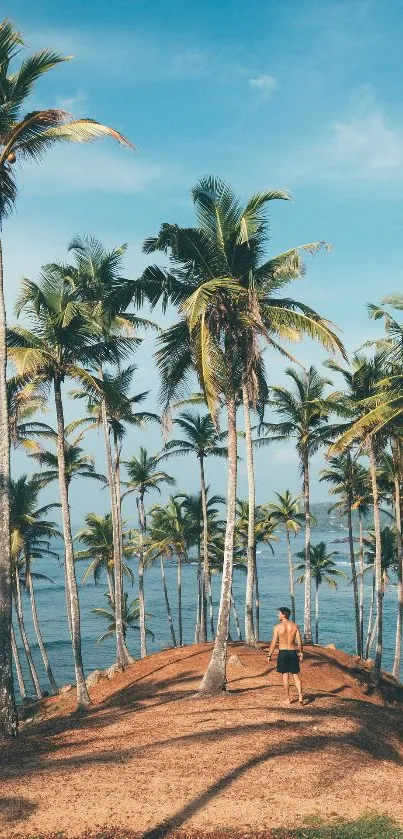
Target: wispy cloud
{"points": [[364, 146], [73, 103], [264, 84], [97, 169]]}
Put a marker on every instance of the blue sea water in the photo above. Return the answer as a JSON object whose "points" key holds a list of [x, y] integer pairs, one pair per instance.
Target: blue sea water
{"points": [[336, 609]]}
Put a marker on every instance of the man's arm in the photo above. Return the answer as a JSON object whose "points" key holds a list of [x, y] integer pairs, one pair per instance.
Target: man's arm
{"points": [[273, 643], [299, 642]]}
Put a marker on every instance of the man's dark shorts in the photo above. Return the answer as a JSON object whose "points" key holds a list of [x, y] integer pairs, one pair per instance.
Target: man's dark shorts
{"points": [[287, 661]]}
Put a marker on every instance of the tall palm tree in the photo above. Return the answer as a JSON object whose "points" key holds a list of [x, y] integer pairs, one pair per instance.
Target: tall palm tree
{"points": [[201, 439], [287, 513], [144, 477], [305, 411], [392, 471], [31, 533], [363, 381], [264, 531], [63, 340], [96, 276], [23, 137], [97, 535], [344, 475], [227, 297], [323, 570], [176, 534], [194, 511], [78, 464]]}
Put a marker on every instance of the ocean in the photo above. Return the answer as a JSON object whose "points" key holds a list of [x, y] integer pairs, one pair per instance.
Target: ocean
{"points": [[336, 621]]}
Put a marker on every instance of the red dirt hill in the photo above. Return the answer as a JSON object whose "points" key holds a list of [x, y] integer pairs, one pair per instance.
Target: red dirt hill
{"points": [[150, 758]]}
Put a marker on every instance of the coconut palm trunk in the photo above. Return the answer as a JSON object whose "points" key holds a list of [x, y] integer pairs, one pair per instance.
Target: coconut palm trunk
{"points": [[18, 670], [211, 608], [206, 577], [123, 656], [214, 679], [361, 581], [307, 594], [8, 711], [73, 605], [24, 637], [111, 586], [44, 654], [398, 519], [167, 604], [199, 594], [291, 573], [236, 617], [251, 548], [354, 579], [257, 603], [378, 563], [370, 616], [179, 583], [142, 523], [316, 612]]}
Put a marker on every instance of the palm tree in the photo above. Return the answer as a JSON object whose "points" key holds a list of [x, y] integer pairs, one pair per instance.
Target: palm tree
{"points": [[98, 281], [363, 381], [227, 300], [323, 570], [392, 471], [144, 477], [175, 534], [286, 513], [22, 137], [77, 463], [264, 532], [305, 413], [130, 616], [193, 508], [31, 533], [63, 337], [98, 538], [25, 399], [345, 477], [200, 439], [389, 555]]}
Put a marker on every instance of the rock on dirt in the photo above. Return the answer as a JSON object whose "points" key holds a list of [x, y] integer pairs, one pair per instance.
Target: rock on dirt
{"points": [[94, 678], [235, 661], [65, 688], [113, 670]]}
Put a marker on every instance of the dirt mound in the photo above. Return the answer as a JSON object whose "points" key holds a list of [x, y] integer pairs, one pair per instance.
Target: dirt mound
{"points": [[151, 759]]}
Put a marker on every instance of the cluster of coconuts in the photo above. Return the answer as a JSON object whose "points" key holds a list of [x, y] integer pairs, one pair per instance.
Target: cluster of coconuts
{"points": [[11, 157]]}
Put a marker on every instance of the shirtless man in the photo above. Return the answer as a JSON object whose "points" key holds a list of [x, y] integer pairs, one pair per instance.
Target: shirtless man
{"points": [[286, 633]]}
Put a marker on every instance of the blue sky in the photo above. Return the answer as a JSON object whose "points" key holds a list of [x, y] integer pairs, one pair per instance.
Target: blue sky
{"points": [[303, 95]]}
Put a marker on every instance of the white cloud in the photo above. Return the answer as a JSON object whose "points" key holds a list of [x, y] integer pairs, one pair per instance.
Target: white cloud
{"points": [[72, 103], [265, 84], [92, 169]]}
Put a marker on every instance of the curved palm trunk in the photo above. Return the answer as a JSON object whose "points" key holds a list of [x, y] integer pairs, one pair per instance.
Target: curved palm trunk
{"points": [[123, 656], [236, 617], [8, 711], [44, 654], [214, 679], [18, 670], [210, 604], [257, 603], [398, 519], [378, 564], [361, 582], [251, 549], [142, 522], [27, 649], [307, 594], [170, 621], [67, 598], [199, 595], [206, 578], [291, 573], [179, 580], [371, 612], [316, 612], [73, 606], [354, 579]]}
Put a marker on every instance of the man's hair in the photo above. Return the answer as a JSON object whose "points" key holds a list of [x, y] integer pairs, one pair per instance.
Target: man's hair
{"points": [[285, 611]]}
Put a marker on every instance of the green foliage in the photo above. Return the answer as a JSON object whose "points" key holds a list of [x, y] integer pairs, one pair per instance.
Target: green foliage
{"points": [[366, 827]]}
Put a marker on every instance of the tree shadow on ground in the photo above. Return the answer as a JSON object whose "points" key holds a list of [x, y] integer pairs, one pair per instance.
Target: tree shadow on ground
{"points": [[14, 810]]}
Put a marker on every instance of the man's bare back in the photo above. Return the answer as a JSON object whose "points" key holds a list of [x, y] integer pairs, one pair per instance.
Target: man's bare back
{"points": [[287, 634]]}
